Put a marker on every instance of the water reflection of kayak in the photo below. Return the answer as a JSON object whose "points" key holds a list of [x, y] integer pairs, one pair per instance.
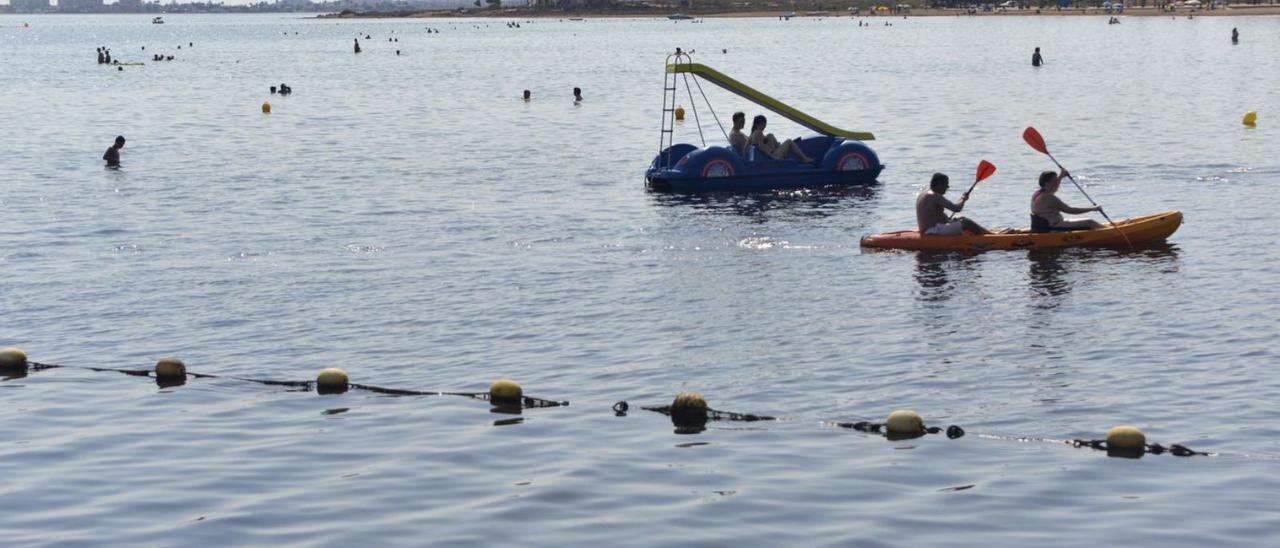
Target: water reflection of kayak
{"points": [[1151, 228]]}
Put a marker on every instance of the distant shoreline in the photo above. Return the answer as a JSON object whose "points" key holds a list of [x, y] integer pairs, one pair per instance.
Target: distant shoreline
{"points": [[519, 13]]}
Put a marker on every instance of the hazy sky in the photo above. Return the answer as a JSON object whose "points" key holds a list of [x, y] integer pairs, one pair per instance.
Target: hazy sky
{"points": [[437, 3]]}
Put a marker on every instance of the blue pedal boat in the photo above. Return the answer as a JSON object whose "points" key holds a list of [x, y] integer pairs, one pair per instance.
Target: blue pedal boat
{"points": [[841, 157]]}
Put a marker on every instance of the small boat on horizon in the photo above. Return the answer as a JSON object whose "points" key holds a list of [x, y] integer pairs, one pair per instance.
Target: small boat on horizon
{"points": [[157, 21], [679, 17]]}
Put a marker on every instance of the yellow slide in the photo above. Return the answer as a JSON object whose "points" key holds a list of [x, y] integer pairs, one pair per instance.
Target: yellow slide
{"points": [[750, 94]]}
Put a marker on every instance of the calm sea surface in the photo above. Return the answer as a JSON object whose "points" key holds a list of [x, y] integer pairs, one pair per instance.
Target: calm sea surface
{"points": [[409, 219]]}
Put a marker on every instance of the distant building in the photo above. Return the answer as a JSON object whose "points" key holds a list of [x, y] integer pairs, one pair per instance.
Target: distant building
{"points": [[80, 6], [29, 6]]}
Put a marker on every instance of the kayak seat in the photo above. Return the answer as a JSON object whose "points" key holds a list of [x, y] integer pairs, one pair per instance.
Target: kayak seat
{"points": [[1040, 224]]}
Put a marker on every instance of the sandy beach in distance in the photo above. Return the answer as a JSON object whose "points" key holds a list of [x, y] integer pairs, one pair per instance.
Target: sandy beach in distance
{"points": [[1233, 10]]}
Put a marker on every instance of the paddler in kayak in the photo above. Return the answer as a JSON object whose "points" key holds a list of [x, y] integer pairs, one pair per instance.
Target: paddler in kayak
{"points": [[932, 207], [1047, 208]]}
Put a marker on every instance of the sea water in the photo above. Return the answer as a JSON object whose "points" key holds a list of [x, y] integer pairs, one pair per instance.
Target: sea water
{"points": [[409, 219]]}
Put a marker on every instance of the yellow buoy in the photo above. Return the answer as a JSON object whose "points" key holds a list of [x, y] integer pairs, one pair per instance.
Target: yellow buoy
{"points": [[13, 358], [1126, 438], [679, 113], [331, 381], [266, 107], [904, 423], [171, 368], [1250, 118], [506, 392]]}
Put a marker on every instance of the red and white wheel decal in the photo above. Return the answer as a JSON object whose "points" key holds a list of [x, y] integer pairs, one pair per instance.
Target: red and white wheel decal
{"points": [[852, 161], [718, 167]]}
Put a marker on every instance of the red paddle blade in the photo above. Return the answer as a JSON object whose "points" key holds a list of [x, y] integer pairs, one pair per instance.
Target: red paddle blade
{"points": [[1033, 138], [985, 169]]}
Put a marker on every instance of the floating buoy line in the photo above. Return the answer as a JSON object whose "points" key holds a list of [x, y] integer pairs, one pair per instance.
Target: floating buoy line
{"points": [[171, 372], [689, 411]]}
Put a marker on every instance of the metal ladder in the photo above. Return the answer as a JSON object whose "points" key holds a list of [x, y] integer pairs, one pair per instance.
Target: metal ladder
{"points": [[665, 140]]}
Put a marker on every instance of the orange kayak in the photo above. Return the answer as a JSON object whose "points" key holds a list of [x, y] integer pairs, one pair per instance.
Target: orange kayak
{"points": [[1151, 228]]}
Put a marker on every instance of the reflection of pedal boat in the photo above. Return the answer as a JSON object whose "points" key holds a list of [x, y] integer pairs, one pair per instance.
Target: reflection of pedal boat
{"points": [[840, 157], [1138, 230]]}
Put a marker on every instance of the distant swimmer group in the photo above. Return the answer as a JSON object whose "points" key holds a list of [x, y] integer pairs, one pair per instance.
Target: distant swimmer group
{"points": [[284, 89]]}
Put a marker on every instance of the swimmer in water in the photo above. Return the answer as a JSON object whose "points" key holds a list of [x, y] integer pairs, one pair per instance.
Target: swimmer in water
{"points": [[577, 95], [357, 45], [527, 96], [112, 155], [1036, 59]]}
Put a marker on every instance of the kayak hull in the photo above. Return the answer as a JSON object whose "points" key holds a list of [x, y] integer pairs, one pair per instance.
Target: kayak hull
{"points": [[1138, 230]]}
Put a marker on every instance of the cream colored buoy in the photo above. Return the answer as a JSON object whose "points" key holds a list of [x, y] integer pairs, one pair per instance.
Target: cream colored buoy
{"points": [[13, 359], [689, 409], [1126, 438], [506, 392], [680, 113], [689, 401], [904, 422], [266, 107], [1250, 118], [331, 381], [171, 368]]}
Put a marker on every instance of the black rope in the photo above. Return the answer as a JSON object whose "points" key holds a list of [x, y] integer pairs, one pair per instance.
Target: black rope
{"points": [[526, 401], [688, 415], [1152, 448], [952, 431], [711, 414]]}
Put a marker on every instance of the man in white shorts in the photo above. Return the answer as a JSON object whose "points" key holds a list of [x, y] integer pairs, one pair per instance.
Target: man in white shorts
{"points": [[932, 207]]}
